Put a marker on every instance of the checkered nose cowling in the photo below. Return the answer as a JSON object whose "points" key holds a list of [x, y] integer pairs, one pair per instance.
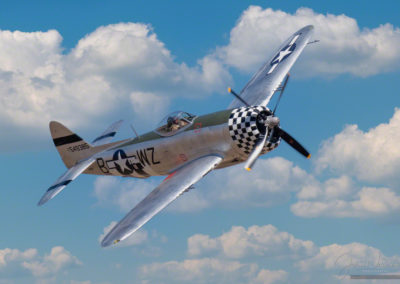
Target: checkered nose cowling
{"points": [[243, 128]]}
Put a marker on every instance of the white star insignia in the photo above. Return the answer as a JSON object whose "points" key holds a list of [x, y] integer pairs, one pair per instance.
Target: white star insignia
{"points": [[283, 53], [121, 163]]}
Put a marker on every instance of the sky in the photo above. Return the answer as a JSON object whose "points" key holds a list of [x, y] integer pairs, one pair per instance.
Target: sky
{"points": [[290, 220]]}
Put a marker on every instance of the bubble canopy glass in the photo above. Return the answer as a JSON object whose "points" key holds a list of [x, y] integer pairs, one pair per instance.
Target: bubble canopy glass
{"points": [[174, 123]]}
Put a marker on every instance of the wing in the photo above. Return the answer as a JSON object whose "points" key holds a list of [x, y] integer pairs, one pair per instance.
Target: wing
{"points": [[263, 84], [173, 186], [108, 134], [65, 179]]}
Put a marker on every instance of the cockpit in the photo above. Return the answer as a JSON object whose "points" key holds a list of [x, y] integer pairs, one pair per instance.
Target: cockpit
{"points": [[174, 123]]}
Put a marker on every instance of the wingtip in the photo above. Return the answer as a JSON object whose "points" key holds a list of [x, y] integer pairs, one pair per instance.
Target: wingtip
{"points": [[306, 28], [43, 200], [309, 27], [106, 242]]}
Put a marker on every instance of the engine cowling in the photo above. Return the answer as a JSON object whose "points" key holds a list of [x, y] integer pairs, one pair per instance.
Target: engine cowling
{"points": [[245, 126]]}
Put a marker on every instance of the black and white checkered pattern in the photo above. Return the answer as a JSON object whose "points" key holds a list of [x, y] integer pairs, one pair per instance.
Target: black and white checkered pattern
{"points": [[270, 146], [243, 128]]}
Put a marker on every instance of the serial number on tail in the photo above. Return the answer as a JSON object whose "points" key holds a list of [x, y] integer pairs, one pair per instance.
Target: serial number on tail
{"points": [[80, 147]]}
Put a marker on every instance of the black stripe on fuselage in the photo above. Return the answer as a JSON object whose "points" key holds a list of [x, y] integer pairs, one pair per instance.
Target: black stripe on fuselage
{"points": [[111, 134], [59, 184], [66, 140]]}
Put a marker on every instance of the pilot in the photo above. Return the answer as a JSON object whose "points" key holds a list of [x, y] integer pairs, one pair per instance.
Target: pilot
{"points": [[173, 123], [170, 121]]}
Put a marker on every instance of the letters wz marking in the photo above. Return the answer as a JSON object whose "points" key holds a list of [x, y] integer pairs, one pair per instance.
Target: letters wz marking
{"points": [[151, 149], [144, 156]]}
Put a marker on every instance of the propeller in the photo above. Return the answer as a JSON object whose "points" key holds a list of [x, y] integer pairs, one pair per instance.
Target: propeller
{"points": [[270, 121], [256, 152], [293, 142]]}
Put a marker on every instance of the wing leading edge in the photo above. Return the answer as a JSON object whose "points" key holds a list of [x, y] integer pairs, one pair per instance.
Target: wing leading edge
{"points": [[264, 83], [172, 187]]}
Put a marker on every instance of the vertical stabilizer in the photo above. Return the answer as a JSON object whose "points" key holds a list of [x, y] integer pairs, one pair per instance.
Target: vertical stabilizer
{"points": [[71, 147]]}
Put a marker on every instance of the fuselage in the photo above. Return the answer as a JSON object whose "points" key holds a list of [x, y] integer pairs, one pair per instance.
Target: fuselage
{"points": [[228, 133]]}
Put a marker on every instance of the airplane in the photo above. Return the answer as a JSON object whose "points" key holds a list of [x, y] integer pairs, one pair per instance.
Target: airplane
{"points": [[185, 147]]}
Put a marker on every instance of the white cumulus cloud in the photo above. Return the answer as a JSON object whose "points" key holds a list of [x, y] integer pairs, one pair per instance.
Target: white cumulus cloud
{"points": [[14, 262], [119, 66], [240, 242], [125, 66], [344, 47], [238, 254], [346, 257], [209, 270], [270, 182], [368, 202], [372, 156]]}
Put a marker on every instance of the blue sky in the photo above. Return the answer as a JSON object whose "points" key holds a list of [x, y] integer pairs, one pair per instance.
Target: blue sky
{"points": [[289, 220]]}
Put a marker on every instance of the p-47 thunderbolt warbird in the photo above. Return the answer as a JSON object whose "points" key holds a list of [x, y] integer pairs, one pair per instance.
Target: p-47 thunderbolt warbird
{"points": [[185, 147]]}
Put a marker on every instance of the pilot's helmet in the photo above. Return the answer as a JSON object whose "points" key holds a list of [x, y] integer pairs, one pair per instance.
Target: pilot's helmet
{"points": [[170, 121]]}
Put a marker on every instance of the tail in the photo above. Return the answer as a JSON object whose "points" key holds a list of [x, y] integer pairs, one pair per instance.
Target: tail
{"points": [[70, 146], [76, 154]]}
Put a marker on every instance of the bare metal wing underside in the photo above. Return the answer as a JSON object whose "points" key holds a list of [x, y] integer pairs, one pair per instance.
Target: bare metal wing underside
{"points": [[172, 187], [264, 83]]}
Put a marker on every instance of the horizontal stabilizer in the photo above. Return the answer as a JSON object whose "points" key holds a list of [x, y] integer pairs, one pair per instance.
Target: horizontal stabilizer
{"points": [[65, 179], [108, 134], [76, 154]]}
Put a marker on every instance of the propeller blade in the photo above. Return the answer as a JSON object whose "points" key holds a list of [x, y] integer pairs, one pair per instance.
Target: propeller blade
{"points": [[256, 152], [292, 142]]}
